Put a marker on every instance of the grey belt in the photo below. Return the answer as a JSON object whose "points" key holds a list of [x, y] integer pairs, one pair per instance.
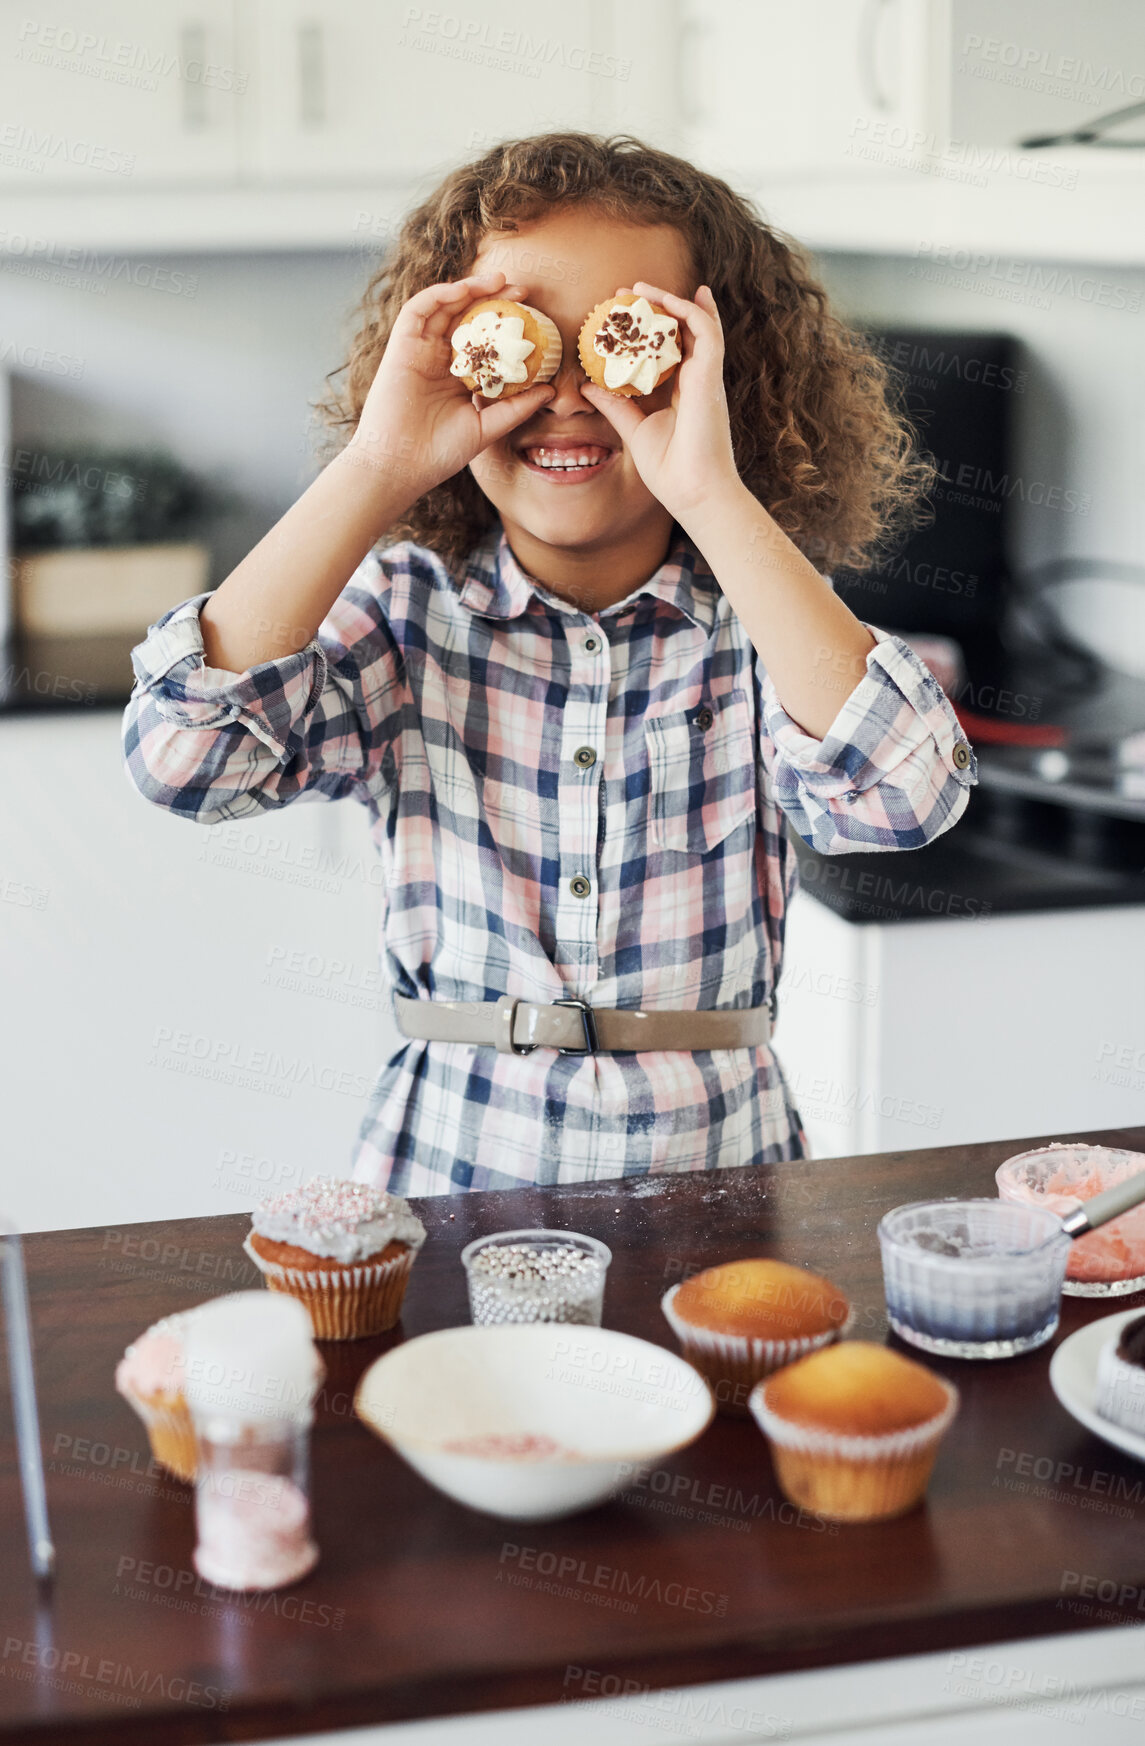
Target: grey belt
{"points": [[574, 1028]]}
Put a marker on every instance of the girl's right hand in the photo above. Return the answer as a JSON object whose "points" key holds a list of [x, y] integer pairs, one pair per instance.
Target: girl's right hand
{"points": [[420, 422]]}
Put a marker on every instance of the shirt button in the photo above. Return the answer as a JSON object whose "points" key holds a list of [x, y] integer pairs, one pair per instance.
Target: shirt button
{"points": [[961, 754], [592, 645], [585, 757], [704, 720], [580, 886]]}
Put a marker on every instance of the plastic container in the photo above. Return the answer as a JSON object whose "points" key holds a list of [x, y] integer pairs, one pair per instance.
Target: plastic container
{"points": [[251, 1372], [973, 1278], [536, 1276], [1108, 1262]]}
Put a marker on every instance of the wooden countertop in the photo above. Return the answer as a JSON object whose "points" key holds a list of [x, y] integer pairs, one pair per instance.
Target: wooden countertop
{"points": [[420, 1607]]}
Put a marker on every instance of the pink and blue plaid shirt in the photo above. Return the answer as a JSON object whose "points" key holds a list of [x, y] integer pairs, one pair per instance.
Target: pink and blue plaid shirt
{"points": [[567, 805]]}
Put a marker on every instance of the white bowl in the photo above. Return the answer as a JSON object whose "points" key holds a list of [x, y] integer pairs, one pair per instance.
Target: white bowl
{"points": [[608, 1402]]}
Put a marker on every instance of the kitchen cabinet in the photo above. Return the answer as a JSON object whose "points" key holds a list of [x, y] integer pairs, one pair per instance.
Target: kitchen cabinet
{"points": [[194, 1013], [792, 90], [946, 1031], [106, 103], [277, 124], [352, 94], [894, 126]]}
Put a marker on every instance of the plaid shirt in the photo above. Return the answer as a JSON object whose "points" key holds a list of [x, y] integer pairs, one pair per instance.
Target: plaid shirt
{"points": [[566, 805]]}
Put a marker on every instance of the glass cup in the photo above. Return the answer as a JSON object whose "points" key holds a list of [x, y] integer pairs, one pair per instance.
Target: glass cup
{"points": [[1108, 1262], [536, 1276], [252, 1503], [973, 1278]]}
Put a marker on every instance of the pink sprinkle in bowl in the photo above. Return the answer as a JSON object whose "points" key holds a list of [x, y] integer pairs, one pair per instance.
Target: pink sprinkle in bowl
{"points": [[1108, 1262]]}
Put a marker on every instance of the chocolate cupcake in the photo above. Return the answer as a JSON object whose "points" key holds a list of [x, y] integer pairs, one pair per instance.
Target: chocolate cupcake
{"points": [[629, 345], [1121, 1378], [854, 1430], [501, 348], [739, 1322], [342, 1248]]}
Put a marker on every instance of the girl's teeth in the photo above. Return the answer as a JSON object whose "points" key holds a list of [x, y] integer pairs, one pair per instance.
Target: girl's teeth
{"points": [[563, 460]]}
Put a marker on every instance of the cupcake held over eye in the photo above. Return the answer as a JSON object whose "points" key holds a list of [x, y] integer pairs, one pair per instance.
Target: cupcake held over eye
{"points": [[501, 348], [629, 345], [343, 1249]]}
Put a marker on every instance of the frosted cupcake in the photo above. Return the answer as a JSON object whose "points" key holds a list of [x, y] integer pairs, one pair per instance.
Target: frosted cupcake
{"points": [[502, 348], [629, 345], [854, 1430], [1121, 1377], [150, 1377], [343, 1249], [739, 1322]]}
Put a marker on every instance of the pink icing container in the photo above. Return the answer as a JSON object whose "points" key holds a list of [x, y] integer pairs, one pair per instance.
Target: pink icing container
{"points": [[1108, 1262]]}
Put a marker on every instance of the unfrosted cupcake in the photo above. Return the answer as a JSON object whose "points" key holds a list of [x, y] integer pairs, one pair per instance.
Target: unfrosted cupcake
{"points": [[1121, 1377], [854, 1430], [343, 1249], [629, 345], [150, 1377], [740, 1321], [501, 348]]}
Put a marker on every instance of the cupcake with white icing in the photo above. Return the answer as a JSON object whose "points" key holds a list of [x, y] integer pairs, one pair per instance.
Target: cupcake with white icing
{"points": [[343, 1249], [629, 345], [502, 348]]}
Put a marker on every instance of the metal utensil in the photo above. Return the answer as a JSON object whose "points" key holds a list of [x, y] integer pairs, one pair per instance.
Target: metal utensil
{"points": [[23, 1382], [1105, 1206]]}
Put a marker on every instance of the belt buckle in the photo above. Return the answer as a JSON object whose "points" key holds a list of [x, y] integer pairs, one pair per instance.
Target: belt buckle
{"points": [[590, 1042]]}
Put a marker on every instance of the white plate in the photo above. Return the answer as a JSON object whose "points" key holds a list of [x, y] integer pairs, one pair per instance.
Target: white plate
{"points": [[1073, 1378]]}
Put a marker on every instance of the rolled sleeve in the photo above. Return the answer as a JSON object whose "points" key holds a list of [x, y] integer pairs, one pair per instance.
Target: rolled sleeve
{"points": [[893, 770], [269, 699], [209, 744]]}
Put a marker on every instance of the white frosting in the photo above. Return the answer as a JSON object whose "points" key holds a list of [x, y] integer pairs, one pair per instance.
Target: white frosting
{"points": [[1120, 1392], [335, 1217], [504, 337], [644, 356]]}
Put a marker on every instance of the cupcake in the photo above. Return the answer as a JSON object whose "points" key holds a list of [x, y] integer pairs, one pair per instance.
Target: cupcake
{"points": [[741, 1321], [1121, 1377], [150, 1377], [854, 1430], [502, 348], [629, 345], [344, 1249]]}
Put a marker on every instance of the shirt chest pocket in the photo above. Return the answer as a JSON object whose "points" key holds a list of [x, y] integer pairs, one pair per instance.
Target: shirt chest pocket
{"points": [[701, 773]]}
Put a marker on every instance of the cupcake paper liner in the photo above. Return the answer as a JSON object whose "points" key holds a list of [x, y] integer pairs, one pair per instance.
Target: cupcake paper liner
{"points": [[853, 1478], [551, 347], [734, 1363], [349, 1303], [170, 1429], [171, 1432]]}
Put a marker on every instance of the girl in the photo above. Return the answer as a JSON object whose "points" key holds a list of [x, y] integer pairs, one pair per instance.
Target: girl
{"points": [[580, 701]]}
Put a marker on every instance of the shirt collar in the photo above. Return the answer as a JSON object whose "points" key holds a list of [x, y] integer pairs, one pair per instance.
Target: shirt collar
{"points": [[494, 584]]}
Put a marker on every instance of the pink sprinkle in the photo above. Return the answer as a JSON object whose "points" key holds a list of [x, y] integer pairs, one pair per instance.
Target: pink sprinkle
{"points": [[508, 1446], [332, 1204]]}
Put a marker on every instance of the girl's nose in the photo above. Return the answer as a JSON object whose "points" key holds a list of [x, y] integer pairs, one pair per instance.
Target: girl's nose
{"points": [[567, 384]]}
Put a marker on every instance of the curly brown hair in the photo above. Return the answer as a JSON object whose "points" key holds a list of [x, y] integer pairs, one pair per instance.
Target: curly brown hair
{"points": [[819, 432]]}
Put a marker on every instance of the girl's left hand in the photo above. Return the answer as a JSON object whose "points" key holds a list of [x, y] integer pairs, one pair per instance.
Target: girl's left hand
{"points": [[683, 453]]}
